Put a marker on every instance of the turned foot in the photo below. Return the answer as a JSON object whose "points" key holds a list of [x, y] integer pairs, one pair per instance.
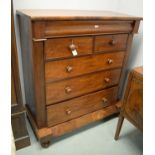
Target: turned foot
{"points": [[45, 144]]}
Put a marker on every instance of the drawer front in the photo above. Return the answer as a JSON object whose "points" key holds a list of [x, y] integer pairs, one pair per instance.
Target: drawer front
{"points": [[110, 42], [65, 111], [68, 28], [66, 89], [65, 47], [57, 70]]}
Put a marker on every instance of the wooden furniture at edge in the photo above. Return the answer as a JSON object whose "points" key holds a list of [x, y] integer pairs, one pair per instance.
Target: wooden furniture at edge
{"points": [[132, 108], [17, 108], [73, 63]]}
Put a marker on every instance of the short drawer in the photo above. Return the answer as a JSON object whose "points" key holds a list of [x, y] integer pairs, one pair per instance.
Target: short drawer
{"points": [[65, 47], [110, 42], [68, 110], [61, 69], [66, 89]]}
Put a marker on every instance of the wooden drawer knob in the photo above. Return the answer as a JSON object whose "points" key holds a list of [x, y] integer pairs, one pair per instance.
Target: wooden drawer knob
{"points": [[104, 100], [110, 61], [68, 90], [72, 47], [107, 80], [69, 69], [68, 112], [113, 42]]}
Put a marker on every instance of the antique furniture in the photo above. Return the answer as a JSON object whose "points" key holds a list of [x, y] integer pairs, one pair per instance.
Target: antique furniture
{"points": [[73, 64], [17, 108], [132, 108]]}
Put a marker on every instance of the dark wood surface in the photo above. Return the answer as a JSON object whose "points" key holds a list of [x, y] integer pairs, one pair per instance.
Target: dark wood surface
{"points": [[132, 108], [56, 79], [82, 65], [66, 89], [64, 111], [75, 14], [62, 48], [110, 42], [17, 108]]}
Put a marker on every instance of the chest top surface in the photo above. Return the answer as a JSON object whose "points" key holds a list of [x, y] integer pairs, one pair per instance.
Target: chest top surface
{"points": [[75, 14]]}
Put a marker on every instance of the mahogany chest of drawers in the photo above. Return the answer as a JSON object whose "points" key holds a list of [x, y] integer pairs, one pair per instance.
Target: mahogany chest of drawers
{"points": [[73, 65]]}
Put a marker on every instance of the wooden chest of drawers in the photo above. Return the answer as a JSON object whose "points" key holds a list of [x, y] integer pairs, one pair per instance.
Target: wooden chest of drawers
{"points": [[73, 64]]}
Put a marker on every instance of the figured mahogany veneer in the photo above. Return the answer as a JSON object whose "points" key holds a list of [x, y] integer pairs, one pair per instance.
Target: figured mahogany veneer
{"points": [[82, 65], [74, 65], [60, 48]]}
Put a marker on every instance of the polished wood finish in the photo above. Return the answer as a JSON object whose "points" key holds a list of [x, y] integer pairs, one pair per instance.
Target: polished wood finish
{"points": [[74, 66], [57, 91], [110, 42], [17, 108], [68, 110], [82, 65], [62, 48], [132, 108]]}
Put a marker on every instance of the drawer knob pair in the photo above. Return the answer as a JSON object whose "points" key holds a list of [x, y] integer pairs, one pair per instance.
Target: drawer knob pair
{"points": [[69, 69], [110, 61], [104, 100], [68, 90], [68, 112]]}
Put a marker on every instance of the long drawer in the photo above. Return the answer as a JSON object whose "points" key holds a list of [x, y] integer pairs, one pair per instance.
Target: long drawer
{"points": [[76, 107], [63, 28], [56, 70], [66, 89]]}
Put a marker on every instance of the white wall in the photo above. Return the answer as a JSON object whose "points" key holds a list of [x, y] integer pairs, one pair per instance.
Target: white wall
{"points": [[132, 7]]}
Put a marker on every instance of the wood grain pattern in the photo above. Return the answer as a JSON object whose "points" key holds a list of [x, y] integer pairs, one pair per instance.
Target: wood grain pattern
{"points": [[132, 108], [82, 65], [55, 80], [75, 14], [62, 28], [67, 110], [56, 92], [33, 71], [46, 133], [110, 42], [60, 48]]}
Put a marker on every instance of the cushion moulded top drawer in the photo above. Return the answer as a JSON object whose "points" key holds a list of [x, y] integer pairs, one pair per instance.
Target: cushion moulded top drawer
{"points": [[67, 28], [61, 69], [63, 47], [76, 107]]}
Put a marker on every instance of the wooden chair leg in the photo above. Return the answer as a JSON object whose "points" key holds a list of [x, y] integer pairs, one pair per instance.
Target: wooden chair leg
{"points": [[119, 126]]}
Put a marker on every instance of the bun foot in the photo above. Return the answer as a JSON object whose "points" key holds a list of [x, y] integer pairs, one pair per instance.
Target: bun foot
{"points": [[45, 144]]}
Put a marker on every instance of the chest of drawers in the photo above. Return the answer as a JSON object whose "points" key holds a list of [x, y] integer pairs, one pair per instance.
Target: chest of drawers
{"points": [[73, 65]]}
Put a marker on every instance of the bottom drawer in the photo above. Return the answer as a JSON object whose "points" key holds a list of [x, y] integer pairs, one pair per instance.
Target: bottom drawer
{"points": [[68, 110]]}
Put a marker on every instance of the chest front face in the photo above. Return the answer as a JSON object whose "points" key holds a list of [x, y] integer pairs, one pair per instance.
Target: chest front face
{"points": [[74, 66]]}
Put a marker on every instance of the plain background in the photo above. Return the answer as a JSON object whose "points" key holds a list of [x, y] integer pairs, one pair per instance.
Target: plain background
{"points": [[131, 7]]}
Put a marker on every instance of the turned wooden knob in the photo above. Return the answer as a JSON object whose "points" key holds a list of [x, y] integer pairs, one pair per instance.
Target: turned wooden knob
{"points": [[68, 112], [68, 90], [110, 61], [72, 47], [69, 69], [104, 100], [107, 80], [113, 42]]}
